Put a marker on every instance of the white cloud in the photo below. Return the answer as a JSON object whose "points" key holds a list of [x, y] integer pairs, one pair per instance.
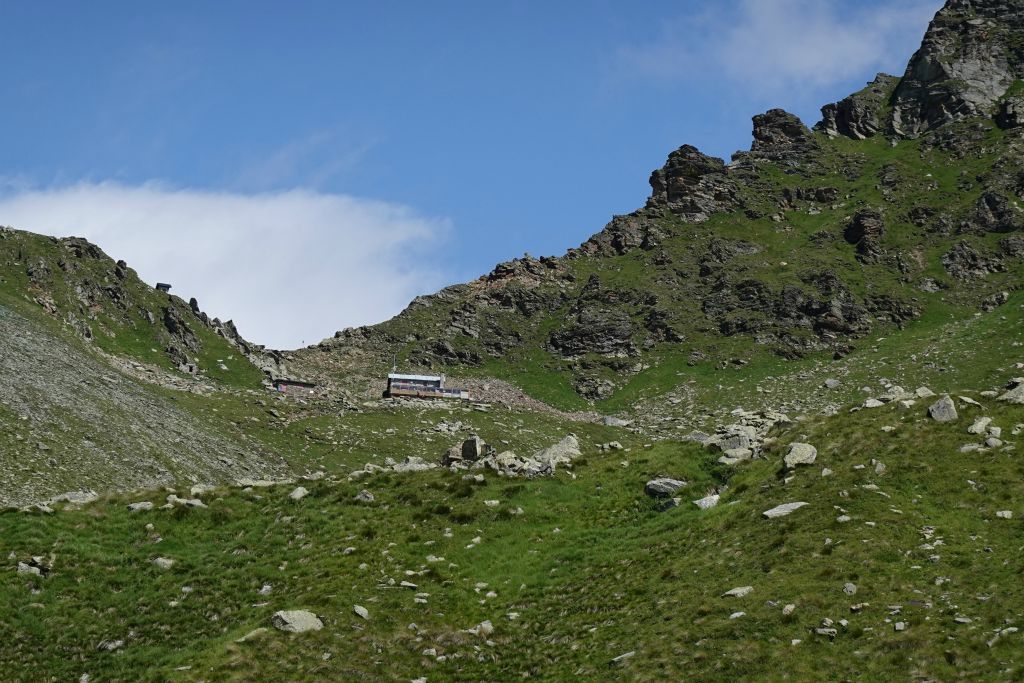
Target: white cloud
{"points": [[770, 46], [288, 267]]}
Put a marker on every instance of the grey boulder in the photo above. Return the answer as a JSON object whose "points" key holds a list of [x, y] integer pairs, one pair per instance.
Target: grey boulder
{"points": [[296, 621], [943, 410]]}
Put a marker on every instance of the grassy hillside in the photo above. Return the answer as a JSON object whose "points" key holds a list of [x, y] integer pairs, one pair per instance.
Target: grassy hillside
{"points": [[74, 284], [748, 286], [591, 570]]}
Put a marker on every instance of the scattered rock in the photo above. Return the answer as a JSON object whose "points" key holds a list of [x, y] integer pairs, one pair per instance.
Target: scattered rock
{"points": [[980, 425], [174, 501], [741, 592], [164, 562], [361, 612], [1005, 514], [783, 510], [140, 506], [707, 502], [35, 565], [364, 496], [483, 629], [299, 493], [255, 634]]}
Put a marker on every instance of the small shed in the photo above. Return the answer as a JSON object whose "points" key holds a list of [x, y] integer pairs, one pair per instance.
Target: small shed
{"points": [[422, 386], [163, 287], [293, 387]]}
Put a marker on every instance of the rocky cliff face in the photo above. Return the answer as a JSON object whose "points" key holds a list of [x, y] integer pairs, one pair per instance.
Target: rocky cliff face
{"points": [[968, 65], [859, 116], [971, 55]]}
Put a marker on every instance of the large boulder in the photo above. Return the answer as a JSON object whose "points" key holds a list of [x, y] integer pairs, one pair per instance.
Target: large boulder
{"points": [[663, 487], [800, 454], [1015, 393], [296, 621], [561, 453], [943, 410], [473, 448]]}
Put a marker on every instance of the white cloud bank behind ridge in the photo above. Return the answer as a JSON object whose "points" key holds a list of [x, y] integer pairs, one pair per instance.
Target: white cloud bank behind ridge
{"points": [[287, 267]]}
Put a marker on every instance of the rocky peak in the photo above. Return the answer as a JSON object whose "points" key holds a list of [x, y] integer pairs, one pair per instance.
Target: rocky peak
{"points": [[972, 53], [692, 185], [779, 131], [859, 115], [779, 137]]}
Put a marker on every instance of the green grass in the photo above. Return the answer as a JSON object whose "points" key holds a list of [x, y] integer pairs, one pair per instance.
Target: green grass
{"points": [[118, 325], [592, 569]]}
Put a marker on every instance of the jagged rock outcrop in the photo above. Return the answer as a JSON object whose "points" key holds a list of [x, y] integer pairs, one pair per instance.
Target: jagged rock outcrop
{"points": [[968, 60], [780, 137], [992, 213], [693, 186], [597, 325], [622, 235], [964, 262], [865, 233], [1011, 113], [859, 115]]}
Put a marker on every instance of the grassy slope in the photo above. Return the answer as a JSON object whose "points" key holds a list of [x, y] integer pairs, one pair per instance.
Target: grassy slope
{"points": [[121, 331], [591, 567]]}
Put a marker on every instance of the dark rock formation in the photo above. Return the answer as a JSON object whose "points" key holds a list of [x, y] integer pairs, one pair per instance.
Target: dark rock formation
{"points": [[1011, 113], [865, 232], [692, 185], [174, 323], [598, 325], [859, 115], [964, 262], [595, 329], [721, 251], [991, 213], [821, 195], [780, 137], [623, 234]]}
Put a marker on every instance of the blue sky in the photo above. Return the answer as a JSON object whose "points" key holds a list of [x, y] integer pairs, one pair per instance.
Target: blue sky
{"points": [[306, 166]]}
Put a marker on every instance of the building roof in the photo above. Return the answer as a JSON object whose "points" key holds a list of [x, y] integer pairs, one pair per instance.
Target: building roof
{"points": [[417, 378], [302, 382]]}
